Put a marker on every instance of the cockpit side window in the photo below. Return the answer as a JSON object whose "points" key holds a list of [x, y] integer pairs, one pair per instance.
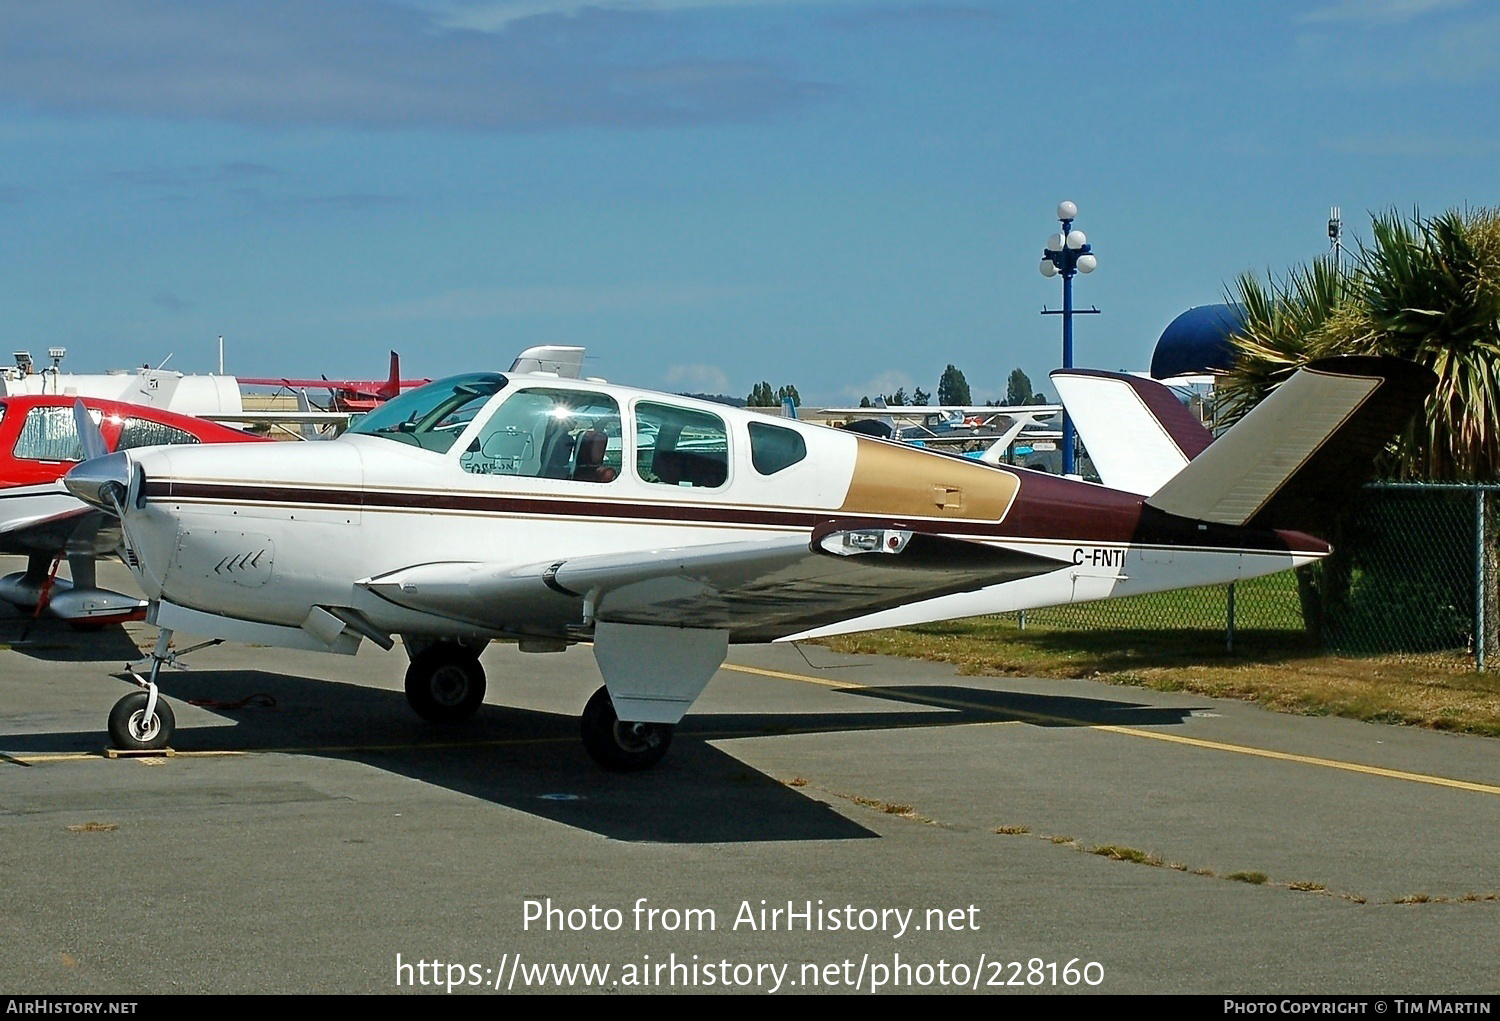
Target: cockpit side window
{"points": [[142, 432], [773, 447], [678, 447], [544, 433], [433, 416]]}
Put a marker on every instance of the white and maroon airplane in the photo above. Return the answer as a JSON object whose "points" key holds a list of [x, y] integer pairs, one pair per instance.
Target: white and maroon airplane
{"points": [[537, 506]]}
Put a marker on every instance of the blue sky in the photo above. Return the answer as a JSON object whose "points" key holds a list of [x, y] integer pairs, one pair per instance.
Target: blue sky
{"points": [[842, 195]]}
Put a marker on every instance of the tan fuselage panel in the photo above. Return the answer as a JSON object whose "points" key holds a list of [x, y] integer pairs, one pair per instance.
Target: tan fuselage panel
{"points": [[897, 481]]}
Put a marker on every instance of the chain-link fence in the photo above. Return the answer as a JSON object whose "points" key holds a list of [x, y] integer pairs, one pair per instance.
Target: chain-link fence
{"points": [[1413, 573]]}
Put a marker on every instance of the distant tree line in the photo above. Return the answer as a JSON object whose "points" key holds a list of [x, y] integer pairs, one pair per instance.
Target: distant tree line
{"points": [[762, 396], [953, 391]]}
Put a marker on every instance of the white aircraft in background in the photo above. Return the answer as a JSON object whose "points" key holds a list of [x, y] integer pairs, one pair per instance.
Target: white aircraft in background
{"points": [[537, 506], [996, 427]]}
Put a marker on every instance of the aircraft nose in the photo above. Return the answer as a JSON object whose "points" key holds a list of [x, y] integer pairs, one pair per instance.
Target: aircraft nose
{"points": [[101, 482]]}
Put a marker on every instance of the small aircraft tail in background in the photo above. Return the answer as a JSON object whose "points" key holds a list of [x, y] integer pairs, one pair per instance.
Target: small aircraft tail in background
{"points": [[349, 395], [392, 387], [1138, 434]]}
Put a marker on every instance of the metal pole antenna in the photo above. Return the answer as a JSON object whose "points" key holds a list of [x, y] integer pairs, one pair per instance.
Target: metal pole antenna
{"points": [[1336, 238]]}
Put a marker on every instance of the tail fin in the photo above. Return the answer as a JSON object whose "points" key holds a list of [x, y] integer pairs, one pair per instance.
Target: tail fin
{"points": [[1138, 434], [1299, 457], [392, 386]]}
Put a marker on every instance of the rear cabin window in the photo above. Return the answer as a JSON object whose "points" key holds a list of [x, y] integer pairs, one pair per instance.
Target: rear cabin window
{"points": [[678, 447], [48, 434], [141, 432], [543, 433], [773, 448]]}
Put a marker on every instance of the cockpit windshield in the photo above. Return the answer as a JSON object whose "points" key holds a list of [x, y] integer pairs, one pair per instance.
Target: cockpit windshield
{"points": [[432, 416]]}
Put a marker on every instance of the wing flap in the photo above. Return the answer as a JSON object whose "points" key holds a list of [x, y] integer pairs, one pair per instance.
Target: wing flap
{"points": [[756, 590]]}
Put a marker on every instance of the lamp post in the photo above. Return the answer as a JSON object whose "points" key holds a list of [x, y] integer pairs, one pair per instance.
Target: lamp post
{"points": [[1068, 253]]}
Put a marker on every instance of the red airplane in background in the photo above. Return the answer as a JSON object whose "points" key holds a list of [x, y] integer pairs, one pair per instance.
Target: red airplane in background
{"points": [[351, 395], [43, 522]]}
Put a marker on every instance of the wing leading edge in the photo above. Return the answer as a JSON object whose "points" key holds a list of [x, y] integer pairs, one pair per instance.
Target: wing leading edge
{"points": [[756, 591]]}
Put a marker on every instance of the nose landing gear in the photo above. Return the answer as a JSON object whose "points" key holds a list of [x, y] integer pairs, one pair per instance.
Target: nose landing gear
{"points": [[142, 720]]}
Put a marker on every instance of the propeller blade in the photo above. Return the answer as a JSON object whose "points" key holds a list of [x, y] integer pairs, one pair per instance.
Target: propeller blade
{"points": [[89, 436]]}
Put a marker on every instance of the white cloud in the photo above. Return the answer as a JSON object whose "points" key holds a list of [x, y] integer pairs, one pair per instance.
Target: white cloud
{"points": [[698, 378], [557, 300], [885, 383], [1379, 12], [495, 15], [379, 64], [1416, 145]]}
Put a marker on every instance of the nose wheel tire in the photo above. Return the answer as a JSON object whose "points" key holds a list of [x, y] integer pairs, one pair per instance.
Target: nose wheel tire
{"points": [[132, 731], [620, 745], [445, 683]]}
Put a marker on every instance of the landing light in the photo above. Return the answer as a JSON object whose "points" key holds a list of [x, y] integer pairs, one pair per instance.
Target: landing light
{"points": [[866, 540]]}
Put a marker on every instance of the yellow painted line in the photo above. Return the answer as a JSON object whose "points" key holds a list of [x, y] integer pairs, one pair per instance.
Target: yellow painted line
{"points": [[38, 760], [1310, 760], [1194, 742], [49, 758], [932, 700], [788, 677]]}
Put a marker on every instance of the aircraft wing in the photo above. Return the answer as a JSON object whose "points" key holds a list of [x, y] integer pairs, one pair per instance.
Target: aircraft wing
{"points": [[74, 529], [757, 591]]}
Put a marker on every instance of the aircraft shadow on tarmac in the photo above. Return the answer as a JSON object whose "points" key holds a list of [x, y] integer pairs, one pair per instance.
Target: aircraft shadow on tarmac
{"points": [[53, 641], [534, 762]]}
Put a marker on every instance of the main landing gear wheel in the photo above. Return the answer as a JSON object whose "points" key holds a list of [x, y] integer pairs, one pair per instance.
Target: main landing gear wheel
{"points": [[132, 730], [445, 683], [618, 745]]}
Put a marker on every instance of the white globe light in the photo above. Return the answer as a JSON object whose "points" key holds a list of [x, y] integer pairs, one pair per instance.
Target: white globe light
{"points": [[1055, 243], [1077, 239], [1067, 211], [1048, 269], [1087, 263]]}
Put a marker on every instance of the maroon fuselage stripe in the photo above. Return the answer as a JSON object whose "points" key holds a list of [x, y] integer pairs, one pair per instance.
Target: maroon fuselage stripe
{"points": [[1119, 518]]}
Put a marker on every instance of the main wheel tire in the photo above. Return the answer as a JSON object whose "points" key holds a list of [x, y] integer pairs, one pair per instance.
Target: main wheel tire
{"points": [[132, 732], [445, 683], [618, 745]]}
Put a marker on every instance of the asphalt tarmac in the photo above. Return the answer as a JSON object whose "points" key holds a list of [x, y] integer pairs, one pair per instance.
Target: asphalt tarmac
{"points": [[333, 842]]}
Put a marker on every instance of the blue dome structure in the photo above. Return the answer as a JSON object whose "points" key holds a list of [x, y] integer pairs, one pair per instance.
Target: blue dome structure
{"points": [[1197, 341]]}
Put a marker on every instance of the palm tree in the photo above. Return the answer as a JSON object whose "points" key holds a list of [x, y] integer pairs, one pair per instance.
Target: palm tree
{"points": [[1432, 294], [1285, 324], [1423, 289]]}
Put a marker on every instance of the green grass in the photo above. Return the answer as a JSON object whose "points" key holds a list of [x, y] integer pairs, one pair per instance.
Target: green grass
{"points": [[1146, 641]]}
